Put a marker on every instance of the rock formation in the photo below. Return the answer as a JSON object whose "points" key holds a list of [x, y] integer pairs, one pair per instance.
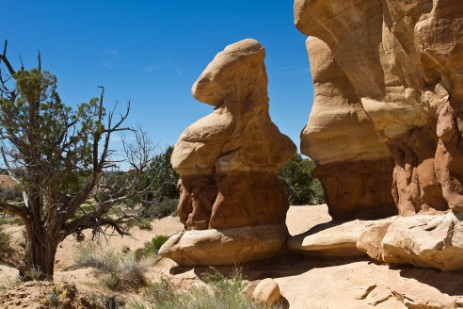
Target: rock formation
{"points": [[426, 240], [394, 69], [226, 246], [228, 160]]}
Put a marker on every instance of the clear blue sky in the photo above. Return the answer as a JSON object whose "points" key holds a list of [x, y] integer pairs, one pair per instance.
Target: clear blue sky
{"points": [[152, 52]]}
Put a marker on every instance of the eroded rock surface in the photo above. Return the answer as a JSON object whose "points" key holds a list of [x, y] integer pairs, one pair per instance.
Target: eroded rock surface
{"points": [[228, 160], [391, 68], [425, 240], [227, 246]]}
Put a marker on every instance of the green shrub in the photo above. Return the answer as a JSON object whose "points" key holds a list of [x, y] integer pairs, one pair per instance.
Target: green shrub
{"points": [[300, 185], [123, 271], [159, 209], [222, 292], [151, 248]]}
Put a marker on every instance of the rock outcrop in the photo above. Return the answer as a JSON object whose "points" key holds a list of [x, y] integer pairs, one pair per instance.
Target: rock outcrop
{"points": [[354, 167], [393, 69], [228, 160], [426, 240]]}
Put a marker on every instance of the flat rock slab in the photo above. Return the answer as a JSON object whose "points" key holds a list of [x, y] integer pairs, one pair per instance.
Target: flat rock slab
{"points": [[427, 240], [332, 239], [363, 285], [226, 246]]}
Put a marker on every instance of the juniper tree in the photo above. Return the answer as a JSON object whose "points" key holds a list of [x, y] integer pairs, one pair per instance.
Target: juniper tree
{"points": [[60, 157]]}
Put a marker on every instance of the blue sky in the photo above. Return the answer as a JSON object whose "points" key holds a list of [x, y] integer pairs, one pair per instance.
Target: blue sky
{"points": [[151, 52]]}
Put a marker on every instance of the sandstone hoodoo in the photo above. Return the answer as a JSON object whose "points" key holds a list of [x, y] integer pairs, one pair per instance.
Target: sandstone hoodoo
{"points": [[354, 167], [229, 159], [394, 69]]}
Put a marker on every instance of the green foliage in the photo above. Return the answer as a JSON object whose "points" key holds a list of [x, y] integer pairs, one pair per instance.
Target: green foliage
{"points": [[151, 248], [159, 201], [46, 132], [5, 249], [11, 220], [299, 183], [165, 182], [159, 208], [61, 156]]}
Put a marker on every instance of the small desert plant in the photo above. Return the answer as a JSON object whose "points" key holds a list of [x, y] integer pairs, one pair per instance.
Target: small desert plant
{"points": [[11, 220], [142, 223], [151, 248], [33, 274], [161, 293], [7, 283], [59, 295], [124, 272], [4, 243], [221, 292]]}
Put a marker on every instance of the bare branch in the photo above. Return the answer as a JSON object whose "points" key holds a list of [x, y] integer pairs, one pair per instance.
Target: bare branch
{"points": [[5, 60], [22, 212], [39, 61]]}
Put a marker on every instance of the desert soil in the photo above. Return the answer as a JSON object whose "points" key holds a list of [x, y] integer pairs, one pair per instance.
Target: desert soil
{"points": [[305, 282]]}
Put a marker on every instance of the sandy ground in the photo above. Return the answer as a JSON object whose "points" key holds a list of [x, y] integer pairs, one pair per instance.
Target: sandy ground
{"points": [[305, 282]]}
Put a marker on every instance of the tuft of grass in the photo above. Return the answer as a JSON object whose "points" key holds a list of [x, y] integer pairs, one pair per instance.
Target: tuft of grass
{"points": [[151, 248], [5, 248], [4, 241], [10, 220], [221, 292], [142, 223], [123, 271]]}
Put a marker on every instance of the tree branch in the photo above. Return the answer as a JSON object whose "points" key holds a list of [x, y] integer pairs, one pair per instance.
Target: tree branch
{"points": [[22, 212]]}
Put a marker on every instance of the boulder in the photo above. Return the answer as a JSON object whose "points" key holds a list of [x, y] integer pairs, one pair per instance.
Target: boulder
{"points": [[391, 68], [226, 246], [266, 293], [228, 160], [426, 240]]}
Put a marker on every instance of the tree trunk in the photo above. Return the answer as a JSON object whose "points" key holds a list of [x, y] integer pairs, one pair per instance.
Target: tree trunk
{"points": [[40, 254]]}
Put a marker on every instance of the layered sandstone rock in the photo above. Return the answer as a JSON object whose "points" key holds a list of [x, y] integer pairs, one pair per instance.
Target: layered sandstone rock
{"points": [[228, 160], [333, 240], [227, 246], [426, 240], [354, 167], [400, 65]]}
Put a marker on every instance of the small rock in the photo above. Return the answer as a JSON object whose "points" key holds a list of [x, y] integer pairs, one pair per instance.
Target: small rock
{"points": [[267, 293]]}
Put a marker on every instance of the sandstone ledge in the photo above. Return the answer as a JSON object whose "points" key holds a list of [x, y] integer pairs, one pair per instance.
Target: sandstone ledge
{"points": [[433, 240], [226, 246]]}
